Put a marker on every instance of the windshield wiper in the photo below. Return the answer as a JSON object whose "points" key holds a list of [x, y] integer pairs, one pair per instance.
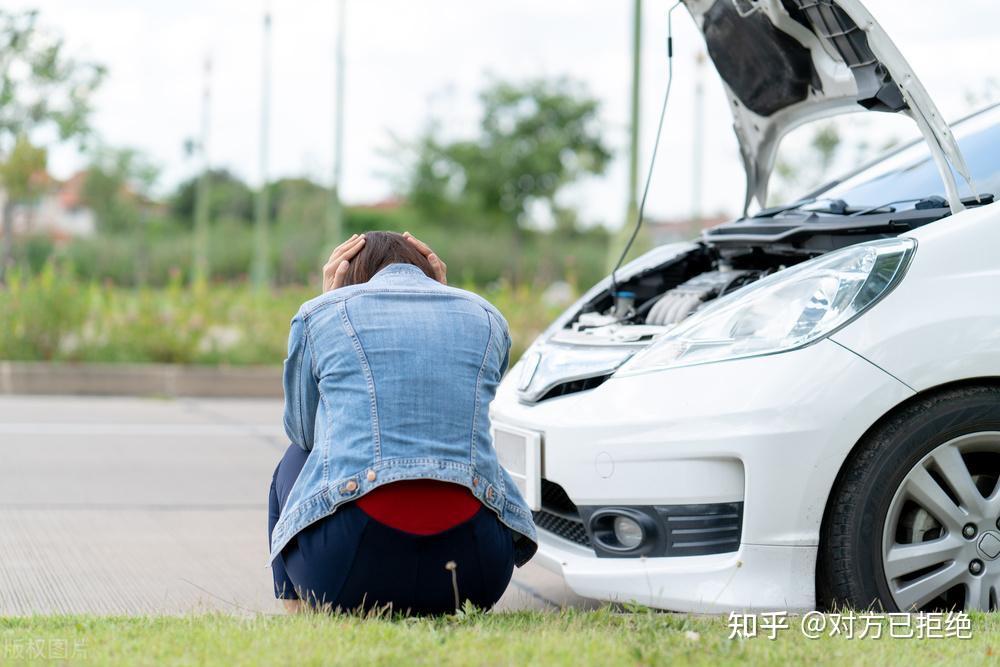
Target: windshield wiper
{"points": [[929, 202], [924, 203], [835, 206]]}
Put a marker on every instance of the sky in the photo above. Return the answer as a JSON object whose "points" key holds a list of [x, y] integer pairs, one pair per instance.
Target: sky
{"points": [[407, 62]]}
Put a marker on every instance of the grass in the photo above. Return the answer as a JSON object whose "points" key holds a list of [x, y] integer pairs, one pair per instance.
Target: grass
{"points": [[570, 637]]}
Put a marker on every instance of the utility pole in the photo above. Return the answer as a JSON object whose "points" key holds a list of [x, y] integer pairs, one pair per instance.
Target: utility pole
{"points": [[698, 145], [632, 210], [633, 150], [201, 206], [335, 211], [261, 270]]}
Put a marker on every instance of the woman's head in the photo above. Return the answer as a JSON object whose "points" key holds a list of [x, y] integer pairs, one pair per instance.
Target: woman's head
{"points": [[379, 251]]}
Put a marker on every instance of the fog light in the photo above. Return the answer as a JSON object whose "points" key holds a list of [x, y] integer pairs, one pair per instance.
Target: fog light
{"points": [[628, 532]]}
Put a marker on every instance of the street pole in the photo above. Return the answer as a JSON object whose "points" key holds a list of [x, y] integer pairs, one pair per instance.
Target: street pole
{"points": [[261, 270], [633, 152], [698, 144], [335, 211], [201, 207], [632, 210]]}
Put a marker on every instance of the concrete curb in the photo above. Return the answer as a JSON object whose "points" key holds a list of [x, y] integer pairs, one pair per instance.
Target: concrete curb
{"points": [[26, 377]]}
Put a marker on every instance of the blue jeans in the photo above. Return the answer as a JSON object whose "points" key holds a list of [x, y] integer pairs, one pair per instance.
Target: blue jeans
{"points": [[352, 562]]}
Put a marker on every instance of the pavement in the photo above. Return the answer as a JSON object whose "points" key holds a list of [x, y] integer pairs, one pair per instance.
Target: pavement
{"points": [[152, 506]]}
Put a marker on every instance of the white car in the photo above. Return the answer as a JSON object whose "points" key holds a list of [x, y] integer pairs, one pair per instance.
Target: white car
{"points": [[802, 408]]}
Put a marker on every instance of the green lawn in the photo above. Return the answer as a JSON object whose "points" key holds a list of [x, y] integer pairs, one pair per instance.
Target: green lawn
{"points": [[604, 637]]}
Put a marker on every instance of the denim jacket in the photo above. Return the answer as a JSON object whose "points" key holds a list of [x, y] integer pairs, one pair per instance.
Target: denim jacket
{"points": [[390, 380]]}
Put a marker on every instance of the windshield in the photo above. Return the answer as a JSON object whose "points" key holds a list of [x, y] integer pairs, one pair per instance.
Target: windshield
{"points": [[910, 174]]}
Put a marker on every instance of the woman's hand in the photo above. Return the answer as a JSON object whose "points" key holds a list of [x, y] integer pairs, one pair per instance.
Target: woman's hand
{"points": [[335, 269], [439, 267]]}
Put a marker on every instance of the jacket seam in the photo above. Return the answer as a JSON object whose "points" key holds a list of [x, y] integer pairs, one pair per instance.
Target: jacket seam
{"points": [[326, 411], [500, 478], [300, 413], [479, 381], [369, 379]]}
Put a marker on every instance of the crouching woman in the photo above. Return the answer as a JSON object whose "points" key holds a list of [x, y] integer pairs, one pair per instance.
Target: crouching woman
{"points": [[391, 494]]}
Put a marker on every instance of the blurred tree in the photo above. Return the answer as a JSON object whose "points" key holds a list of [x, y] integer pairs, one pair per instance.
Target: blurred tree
{"points": [[805, 169], [43, 93], [298, 201], [230, 198], [22, 174], [534, 139], [118, 187]]}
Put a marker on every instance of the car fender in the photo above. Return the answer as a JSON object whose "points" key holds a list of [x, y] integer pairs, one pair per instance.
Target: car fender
{"points": [[941, 324]]}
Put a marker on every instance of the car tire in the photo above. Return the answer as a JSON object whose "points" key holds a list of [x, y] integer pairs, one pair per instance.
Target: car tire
{"points": [[875, 491]]}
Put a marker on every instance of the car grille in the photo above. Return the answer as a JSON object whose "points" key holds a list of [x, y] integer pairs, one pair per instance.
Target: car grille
{"points": [[568, 529], [573, 386], [559, 515]]}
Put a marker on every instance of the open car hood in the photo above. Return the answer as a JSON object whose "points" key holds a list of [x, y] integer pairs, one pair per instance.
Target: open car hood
{"points": [[787, 62]]}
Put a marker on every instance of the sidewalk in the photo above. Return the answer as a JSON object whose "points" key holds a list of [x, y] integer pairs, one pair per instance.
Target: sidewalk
{"points": [[144, 506]]}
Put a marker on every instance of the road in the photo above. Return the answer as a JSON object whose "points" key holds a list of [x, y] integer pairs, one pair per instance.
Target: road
{"points": [[145, 506]]}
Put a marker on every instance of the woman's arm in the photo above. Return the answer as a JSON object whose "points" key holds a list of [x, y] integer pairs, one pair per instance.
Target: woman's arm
{"points": [[301, 388]]}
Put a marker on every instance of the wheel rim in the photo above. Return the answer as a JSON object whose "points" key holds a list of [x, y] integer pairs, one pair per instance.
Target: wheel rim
{"points": [[941, 541]]}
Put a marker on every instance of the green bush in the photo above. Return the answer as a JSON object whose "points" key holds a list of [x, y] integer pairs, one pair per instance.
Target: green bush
{"points": [[39, 312], [54, 316], [157, 250]]}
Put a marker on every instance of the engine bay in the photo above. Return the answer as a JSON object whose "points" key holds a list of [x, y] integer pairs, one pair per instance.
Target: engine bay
{"points": [[654, 301]]}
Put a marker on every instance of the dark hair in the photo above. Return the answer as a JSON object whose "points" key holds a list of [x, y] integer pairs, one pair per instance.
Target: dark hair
{"points": [[380, 250]]}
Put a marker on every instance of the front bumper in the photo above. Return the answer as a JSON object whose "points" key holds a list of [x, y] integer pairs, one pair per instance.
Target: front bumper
{"points": [[756, 577], [771, 432]]}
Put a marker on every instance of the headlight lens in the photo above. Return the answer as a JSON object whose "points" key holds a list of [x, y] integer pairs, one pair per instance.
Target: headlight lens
{"points": [[784, 311]]}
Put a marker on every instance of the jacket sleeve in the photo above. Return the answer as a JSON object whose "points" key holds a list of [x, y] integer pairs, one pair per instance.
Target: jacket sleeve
{"points": [[301, 388]]}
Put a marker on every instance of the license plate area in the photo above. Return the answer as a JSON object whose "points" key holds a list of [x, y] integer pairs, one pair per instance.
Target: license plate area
{"points": [[520, 453]]}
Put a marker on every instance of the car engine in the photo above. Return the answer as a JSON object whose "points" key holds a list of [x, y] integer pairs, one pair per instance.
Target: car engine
{"points": [[676, 304]]}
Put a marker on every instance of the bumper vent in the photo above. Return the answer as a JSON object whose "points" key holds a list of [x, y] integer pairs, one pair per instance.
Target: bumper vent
{"points": [[559, 515], [699, 530], [573, 387]]}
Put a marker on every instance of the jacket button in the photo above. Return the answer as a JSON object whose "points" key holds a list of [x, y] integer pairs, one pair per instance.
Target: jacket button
{"points": [[351, 486], [475, 481], [489, 493], [371, 475]]}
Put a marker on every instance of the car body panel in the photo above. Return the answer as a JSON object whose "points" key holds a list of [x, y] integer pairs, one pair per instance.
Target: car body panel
{"points": [[756, 578], [661, 431], [706, 434], [942, 323]]}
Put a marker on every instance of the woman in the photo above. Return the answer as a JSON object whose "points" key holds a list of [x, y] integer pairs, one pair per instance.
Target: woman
{"points": [[390, 493]]}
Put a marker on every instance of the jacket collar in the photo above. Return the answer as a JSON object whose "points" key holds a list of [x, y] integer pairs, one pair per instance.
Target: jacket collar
{"points": [[399, 273]]}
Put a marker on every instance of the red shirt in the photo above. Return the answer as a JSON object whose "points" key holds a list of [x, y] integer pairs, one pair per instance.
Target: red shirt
{"points": [[420, 506]]}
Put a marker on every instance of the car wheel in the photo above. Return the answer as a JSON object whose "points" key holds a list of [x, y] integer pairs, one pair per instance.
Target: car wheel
{"points": [[913, 522]]}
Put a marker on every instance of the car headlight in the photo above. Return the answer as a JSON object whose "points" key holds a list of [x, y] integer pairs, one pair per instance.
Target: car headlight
{"points": [[785, 311]]}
